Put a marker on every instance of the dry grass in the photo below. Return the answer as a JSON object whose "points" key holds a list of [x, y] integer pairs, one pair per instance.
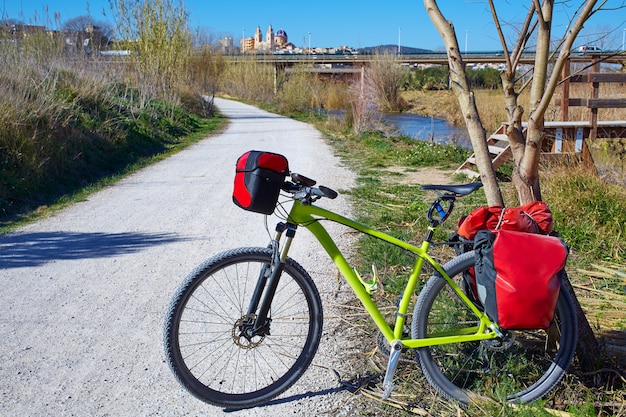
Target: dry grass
{"points": [[600, 289], [249, 79], [490, 104]]}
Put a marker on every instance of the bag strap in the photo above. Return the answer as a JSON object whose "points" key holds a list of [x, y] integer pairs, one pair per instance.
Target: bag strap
{"points": [[537, 229], [501, 218]]}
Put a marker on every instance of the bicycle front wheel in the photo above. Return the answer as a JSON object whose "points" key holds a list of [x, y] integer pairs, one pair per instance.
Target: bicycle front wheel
{"points": [[204, 344], [521, 367]]}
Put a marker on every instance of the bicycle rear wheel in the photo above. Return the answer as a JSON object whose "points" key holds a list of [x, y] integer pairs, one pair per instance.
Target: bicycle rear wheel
{"points": [[522, 366], [204, 345]]}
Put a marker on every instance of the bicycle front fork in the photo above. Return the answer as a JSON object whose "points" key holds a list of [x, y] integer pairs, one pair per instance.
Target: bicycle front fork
{"points": [[267, 283]]}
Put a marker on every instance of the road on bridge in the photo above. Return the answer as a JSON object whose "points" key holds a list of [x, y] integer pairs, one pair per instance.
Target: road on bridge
{"points": [[84, 292]]}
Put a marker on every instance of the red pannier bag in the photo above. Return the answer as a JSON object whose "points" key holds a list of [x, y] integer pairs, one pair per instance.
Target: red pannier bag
{"points": [[534, 217], [259, 177], [518, 277]]}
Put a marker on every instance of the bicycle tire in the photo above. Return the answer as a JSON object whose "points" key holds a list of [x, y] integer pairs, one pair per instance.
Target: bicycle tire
{"points": [[522, 367], [201, 343]]}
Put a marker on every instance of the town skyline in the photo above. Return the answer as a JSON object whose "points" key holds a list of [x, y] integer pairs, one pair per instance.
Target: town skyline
{"points": [[335, 24]]}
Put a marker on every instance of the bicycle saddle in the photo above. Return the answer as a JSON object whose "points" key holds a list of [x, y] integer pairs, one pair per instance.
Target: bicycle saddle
{"points": [[460, 189]]}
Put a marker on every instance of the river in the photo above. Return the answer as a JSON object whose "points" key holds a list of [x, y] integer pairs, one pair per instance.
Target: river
{"points": [[420, 127], [440, 131], [427, 128]]}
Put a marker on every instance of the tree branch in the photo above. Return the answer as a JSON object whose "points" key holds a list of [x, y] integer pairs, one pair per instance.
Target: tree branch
{"points": [[587, 10]]}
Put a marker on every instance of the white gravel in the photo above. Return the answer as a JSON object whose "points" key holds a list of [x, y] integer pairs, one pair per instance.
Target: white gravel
{"points": [[84, 293]]}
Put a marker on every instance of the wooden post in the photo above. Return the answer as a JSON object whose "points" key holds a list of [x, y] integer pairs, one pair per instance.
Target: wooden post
{"points": [[595, 93], [565, 90]]}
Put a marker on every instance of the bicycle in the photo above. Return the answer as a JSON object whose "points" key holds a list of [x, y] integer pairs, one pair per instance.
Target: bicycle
{"points": [[245, 325]]}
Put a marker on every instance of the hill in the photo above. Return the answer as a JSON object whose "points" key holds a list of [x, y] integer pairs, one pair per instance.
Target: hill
{"points": [[382, 49]]}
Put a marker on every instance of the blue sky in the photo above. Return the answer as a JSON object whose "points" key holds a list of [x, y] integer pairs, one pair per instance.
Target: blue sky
{"points": [[334, 23]]}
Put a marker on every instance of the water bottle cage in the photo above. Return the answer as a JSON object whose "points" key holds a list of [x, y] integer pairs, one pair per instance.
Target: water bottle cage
{"points": [[438, 213]]}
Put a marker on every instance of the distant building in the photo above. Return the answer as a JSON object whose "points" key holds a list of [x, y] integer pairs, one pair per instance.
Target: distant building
{"points": [[226, 45], [16, 32], [281, 39], [84, 41], [272, 43], [247, 44], [278, 43]]}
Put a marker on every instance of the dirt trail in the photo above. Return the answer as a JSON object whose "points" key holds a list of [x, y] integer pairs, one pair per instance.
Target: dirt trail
{"points": [[84, 292]]}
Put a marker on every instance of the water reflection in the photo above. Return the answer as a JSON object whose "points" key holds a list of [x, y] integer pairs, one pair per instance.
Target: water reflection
{"points": [[419, 127], [428, 128]]}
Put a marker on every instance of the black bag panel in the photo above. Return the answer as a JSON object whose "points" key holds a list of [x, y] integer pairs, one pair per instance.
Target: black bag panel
{"points": [[486, 272], [259, 177]]}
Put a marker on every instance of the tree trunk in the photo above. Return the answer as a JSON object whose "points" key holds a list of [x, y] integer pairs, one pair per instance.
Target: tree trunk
{"points": [[526, 149], [587, 348], [526, 172], [460, 86]]}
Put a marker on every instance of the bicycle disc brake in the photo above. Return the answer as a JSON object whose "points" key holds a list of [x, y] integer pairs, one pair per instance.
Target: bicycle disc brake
{"points": [[243, 334]]}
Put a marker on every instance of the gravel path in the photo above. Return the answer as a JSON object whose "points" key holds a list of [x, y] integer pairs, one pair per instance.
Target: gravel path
{"points": [[84, 293]]}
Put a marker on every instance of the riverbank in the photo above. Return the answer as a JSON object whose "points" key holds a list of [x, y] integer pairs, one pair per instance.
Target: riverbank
{"points": [[589, 214]]}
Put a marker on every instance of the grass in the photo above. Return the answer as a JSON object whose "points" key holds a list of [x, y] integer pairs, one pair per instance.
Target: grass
{"points": [[596, 268], [81, 129], [69, 123]]}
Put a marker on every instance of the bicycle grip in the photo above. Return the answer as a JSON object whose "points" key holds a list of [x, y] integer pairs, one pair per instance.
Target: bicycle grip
{"points": [[328, 192]]}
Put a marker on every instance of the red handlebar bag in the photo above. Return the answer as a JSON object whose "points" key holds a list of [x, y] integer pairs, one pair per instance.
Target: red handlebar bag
{"points": [[518, 277], [259, 177]]}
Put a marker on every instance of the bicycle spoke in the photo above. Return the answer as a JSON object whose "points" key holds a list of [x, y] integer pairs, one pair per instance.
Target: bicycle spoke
{"points": [[209, 342]]}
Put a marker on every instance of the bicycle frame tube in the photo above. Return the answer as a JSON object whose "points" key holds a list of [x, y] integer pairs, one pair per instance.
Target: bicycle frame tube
{"points": [[309, 216]]}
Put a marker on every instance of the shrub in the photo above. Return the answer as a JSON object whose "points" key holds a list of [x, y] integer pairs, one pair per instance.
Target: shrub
{"points": [[589, 213], [249, 79], [299, 92]]}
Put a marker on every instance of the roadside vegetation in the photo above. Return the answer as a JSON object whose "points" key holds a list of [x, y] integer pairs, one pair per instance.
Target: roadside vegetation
{"points": [[589, 212], [70, 122]]}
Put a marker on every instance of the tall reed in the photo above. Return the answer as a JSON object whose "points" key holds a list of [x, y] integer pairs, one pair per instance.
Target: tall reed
{"points": [[162, 43], [249, 79]]}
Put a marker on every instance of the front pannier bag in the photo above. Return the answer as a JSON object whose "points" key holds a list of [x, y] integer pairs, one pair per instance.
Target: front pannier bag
{"points": [[259, 177], [518, 277]]}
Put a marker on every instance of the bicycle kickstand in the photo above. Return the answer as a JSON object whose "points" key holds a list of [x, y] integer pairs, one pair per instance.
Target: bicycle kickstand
{"points": [[392, 365]]}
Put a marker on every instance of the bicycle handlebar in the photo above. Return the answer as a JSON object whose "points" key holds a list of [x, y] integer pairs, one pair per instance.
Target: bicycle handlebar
{"points": [[303, 189]]}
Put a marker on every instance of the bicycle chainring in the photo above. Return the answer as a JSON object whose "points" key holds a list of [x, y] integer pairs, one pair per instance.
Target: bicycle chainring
{"points": [[500, 344]]}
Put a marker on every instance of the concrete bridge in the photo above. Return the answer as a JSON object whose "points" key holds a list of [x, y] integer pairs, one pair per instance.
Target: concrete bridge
{"points": [[433, 58]]}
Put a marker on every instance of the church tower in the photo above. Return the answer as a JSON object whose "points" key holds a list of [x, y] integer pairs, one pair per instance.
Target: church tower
{"points": [[269, 38], [258, 37]]}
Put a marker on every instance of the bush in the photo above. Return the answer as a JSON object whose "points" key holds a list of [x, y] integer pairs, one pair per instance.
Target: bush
{"points": [[299, 93], [249, 80], [589, 213]]}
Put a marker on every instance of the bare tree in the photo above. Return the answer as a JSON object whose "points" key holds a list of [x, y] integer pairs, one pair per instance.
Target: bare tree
{"points": [[461, 88], [526, 148], [89, 33]]}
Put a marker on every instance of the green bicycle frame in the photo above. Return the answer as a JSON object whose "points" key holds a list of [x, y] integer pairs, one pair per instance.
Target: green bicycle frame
{"points": [[309, 216]]}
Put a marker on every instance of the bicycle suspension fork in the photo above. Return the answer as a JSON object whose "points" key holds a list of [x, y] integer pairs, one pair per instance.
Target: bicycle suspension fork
{"points": [[269, 278]]}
